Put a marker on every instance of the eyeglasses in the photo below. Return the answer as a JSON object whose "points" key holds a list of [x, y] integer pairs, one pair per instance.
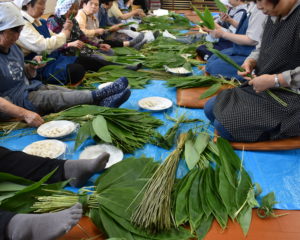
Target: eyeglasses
{"points": [[17, 29]]}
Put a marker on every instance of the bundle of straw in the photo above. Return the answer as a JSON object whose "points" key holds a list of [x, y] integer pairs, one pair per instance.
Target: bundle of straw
{"points": [[154, 214]]}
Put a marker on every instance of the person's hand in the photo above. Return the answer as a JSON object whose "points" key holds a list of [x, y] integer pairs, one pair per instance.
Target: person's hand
{"points": [[77, 44], [32, 119], [205, 29], [115, 28], [226, 18], [104, 47], [99, 31], [249, 66], [217, 33], [33, 67], [139, 12], [68, 25], [67, 28], [262, 82]]}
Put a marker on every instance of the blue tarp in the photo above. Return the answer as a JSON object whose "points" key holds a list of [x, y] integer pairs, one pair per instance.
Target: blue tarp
{"points": [[277, 171]]}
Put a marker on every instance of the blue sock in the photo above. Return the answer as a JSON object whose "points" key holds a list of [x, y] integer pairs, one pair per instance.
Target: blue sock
{"points": [[116, 87], [116, 100]]}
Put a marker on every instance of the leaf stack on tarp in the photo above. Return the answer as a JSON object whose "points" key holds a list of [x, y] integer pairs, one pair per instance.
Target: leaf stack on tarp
{"points": [[110, 73], [217, 187], [173, 23], [111, 203], [125, 128]]}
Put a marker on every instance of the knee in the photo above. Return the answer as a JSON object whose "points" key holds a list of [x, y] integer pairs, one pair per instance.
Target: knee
{"points": [[76, 73], [222, 131], [209, 109]]}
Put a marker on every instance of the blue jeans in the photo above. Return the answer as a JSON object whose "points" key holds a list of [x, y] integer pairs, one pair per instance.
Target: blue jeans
{"points": [[209, 112]]}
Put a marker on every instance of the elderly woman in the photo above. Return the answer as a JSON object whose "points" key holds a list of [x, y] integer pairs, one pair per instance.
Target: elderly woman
{"points": [[246, 37], [116, 13], [94, 29], [249, 113], [19, 88], [65, 9], [228, 22], [37, 38]]}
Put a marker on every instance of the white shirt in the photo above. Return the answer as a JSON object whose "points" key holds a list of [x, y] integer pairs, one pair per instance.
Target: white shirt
{"points": [[31, 40]]}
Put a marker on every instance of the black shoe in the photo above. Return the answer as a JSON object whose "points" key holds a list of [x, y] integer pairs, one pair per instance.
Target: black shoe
{"points": [[134, 67]]}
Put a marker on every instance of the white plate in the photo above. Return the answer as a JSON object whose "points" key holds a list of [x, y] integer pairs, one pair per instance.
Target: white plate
{"points": [[56, 129], [46, 148], [103, 85], [178, 71], [91, 152], [155, 103]]}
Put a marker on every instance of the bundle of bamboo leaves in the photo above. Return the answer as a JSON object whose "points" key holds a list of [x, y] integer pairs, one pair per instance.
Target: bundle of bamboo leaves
{"points": [[206, 18], [125, 128], [217, 187], [137, 80], [112, 200], [173, 23]]}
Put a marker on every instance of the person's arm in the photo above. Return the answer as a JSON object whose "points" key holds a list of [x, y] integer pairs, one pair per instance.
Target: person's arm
{"points": [[31, 118], [117, 13], [32, 40], [291, 78], [81, 19]]}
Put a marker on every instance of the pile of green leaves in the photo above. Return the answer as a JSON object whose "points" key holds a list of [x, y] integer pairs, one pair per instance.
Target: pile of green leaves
{"points": [[113, 199], [157, 61], [126, 55], [206, 17], [125, 128], [217, 187], [110, 73], [173, 23], [17, 194]]}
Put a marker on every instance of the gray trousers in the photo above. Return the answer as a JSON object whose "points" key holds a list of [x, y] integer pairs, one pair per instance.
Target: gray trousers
{"points": [[50, 98]]}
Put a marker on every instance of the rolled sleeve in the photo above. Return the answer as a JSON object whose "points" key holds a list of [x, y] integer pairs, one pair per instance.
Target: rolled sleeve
{"points": [[31, 40], [256, 25], [292, 77]]}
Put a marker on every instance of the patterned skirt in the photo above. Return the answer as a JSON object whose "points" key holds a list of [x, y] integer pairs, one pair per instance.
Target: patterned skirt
{"points": [[249, 116]]}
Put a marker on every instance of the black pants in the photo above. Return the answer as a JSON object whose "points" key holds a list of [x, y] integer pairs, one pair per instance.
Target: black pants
{"points": [[30, 167], [83, 64]]}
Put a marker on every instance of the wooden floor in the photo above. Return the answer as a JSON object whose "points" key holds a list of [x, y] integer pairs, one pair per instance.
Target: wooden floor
{"points": [[282, 228]]}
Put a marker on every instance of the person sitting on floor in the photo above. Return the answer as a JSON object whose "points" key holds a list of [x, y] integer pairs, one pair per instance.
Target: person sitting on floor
{"points": [[90, 25], [36, 38], [47, 226], [228, 22], [115, 13], [247, 36], [65, 10], [250, 113], [18, 88]]}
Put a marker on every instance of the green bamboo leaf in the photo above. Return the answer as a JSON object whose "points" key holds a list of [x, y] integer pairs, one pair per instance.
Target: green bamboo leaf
{"points": [[209, 19], [221, 6], [205, 225], [181, 210], [10, 187], [83, 134], [195, 210], [227, 191], [211, 91], [244, 219], [101, 130], [190, 154]]}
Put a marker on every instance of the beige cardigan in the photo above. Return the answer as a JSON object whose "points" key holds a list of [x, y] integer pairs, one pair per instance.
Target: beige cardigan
{"points": [[87, 24]]}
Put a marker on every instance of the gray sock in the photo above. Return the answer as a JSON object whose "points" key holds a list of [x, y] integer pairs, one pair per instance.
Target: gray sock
{"points": [[81, 170], [136, 40], [139, 45], [47, 226]]}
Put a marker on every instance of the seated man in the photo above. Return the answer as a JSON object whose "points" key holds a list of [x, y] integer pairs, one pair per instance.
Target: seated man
{"points": [[34, 95]]}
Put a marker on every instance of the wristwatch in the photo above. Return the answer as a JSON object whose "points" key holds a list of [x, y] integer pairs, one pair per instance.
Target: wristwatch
{"points": [[276, 80]]}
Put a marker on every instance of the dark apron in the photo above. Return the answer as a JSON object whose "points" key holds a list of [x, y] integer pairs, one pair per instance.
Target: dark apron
{"points": [[55, 72], [238, 53]]}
